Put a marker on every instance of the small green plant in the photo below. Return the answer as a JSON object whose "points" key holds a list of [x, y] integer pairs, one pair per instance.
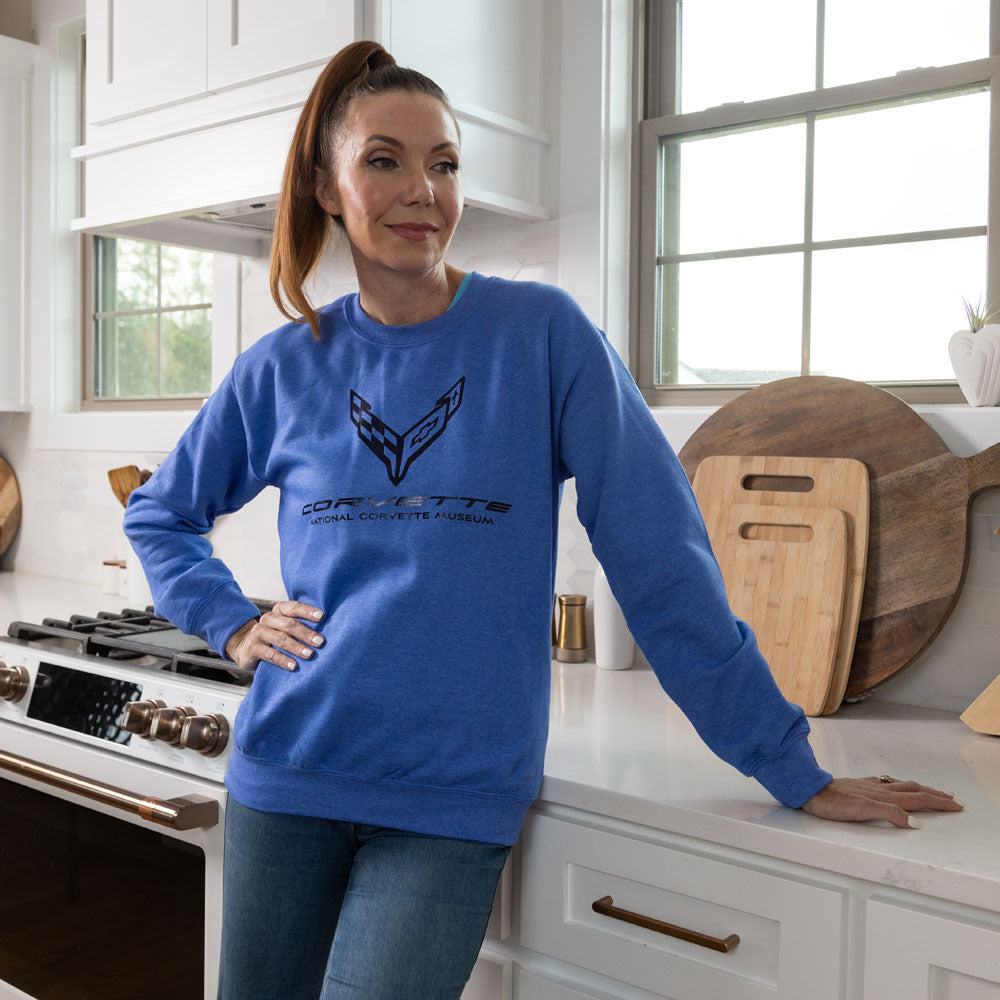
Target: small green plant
{"points": [[978, 315]]}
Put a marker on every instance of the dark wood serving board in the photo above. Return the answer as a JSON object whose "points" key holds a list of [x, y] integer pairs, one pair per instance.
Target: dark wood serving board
{"points": [[10, 506], [920, 497]]}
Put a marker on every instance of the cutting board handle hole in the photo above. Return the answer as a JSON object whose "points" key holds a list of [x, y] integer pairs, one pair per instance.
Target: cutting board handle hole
{"points": [[779, 484], [755, 532]]}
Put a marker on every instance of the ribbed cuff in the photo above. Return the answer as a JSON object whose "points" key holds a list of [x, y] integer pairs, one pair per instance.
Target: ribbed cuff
{"points": [[794, 777], [225, 611]]}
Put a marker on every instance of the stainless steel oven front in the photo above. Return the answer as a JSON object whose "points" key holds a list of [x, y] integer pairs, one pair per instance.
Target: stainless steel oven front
{"points": [[111, 828]]}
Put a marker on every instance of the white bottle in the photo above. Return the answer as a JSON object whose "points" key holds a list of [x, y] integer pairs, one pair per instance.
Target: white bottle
{"points": [[614, 646]]}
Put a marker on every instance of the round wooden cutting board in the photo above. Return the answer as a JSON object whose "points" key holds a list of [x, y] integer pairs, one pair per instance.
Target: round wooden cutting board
{"points": [[10, 506]]}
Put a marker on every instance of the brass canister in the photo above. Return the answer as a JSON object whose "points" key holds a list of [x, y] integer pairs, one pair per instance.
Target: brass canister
{"points": [[571, 637]]}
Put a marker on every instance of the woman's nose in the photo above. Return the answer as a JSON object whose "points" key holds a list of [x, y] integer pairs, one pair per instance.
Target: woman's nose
{"points": [[418, 188]]}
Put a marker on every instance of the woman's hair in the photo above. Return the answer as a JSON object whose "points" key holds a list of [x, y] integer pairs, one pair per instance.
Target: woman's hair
{"points": [[301, 226]]}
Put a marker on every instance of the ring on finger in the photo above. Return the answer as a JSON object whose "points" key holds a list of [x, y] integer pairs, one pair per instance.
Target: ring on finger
{"points": [[886, 779]]}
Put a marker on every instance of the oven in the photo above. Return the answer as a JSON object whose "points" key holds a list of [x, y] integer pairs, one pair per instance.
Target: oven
{"points": [[114, 738]]}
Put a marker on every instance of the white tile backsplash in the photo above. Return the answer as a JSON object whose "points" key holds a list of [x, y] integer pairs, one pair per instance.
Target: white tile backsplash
{"points": [[72, 521]]}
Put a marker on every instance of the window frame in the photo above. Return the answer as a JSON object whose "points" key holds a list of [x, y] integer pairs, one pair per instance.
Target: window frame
{"points": [[88, 401], [661, 75]]}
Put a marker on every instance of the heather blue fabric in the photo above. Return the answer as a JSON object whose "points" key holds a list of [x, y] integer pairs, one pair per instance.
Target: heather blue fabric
{"points": [[315, 909], [420, 471]]}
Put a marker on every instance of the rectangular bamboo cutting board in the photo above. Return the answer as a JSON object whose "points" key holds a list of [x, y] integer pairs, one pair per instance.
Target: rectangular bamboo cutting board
{"points": [[785, 569], [841, 483]]}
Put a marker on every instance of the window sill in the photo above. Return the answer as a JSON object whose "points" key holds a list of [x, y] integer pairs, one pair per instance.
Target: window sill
{"points": [[965, 429]]}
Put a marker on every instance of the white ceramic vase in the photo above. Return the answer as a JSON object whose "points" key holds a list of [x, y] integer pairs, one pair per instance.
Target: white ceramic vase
{"points": [[614, 646], [976, 360]]}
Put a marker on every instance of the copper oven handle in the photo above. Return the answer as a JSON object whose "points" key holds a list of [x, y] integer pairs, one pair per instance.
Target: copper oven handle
{"points": [[188, 812], [604, 906]]}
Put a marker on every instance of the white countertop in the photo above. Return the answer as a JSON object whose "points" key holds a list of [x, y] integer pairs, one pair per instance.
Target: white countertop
{"points": [[619, 747]]}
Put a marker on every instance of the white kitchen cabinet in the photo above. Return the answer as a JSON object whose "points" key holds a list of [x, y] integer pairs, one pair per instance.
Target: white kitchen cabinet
{"points": [[17, 61], [191, 107], [249, 39], [788, 934], [142, 55], [532, 987], [926, 956]]}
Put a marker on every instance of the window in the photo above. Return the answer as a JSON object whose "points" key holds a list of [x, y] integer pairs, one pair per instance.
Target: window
{"points": [[813, 191], [149, 333]]}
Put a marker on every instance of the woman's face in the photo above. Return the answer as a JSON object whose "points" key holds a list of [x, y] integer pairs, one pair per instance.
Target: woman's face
{"points": [[395, 183]]}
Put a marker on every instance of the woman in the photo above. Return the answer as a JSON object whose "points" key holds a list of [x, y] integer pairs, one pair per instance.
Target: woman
{"points": [[420, 431]]}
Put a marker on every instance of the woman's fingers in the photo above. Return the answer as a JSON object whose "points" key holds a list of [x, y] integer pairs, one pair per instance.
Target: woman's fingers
{"points": [[280, 630], [860, 799]]}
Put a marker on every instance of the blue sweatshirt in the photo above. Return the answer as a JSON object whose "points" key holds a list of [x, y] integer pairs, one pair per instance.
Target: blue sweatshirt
{"points": [[420, 469]]}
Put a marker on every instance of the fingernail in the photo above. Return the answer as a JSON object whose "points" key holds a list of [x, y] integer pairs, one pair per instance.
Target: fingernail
{"points": [[291, 664], [912, 823], [317, 640], [306, 651], [317, 615]]}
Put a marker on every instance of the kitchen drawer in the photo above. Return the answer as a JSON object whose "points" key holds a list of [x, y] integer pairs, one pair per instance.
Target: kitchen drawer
{"points": [[532, 987], [791, 938], [926, 956]]}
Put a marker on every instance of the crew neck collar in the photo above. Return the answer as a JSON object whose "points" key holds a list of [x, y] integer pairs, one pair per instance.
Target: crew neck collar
{"points": [[412, 334]]}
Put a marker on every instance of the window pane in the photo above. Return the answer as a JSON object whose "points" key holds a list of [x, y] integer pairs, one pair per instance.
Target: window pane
{"points": [[903, 169], [738, 320], [187, 352], [732, 50], [125, 353], [126, 274], [744, 189], [186, 277], [886, 313], [868, 39]]}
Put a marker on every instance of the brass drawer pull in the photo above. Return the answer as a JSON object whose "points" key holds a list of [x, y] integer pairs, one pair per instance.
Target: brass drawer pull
{"points": [[189, 812], [604, 906]]}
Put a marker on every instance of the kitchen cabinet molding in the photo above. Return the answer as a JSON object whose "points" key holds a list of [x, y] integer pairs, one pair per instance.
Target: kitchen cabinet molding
{"points": [[17, 63]]}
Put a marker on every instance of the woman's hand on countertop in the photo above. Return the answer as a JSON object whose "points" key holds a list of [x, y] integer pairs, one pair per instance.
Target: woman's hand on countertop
{"points": [[859, 799], [278, 629]]}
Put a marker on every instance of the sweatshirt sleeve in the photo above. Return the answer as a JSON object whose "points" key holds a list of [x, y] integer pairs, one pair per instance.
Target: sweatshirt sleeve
{"points": [[647, 531], [207, 474]]}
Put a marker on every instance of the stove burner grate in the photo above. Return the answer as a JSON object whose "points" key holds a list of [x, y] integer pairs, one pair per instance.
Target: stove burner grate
{"points": [[139, 637]]}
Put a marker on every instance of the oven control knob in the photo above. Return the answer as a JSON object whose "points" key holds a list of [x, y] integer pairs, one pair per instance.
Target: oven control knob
{"points": [[13, 682], [139, 716], [208, 734], [166, 723]]}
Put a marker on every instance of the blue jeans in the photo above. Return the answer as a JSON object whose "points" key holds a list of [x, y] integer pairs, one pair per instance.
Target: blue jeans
{"points": [[317, 909]]}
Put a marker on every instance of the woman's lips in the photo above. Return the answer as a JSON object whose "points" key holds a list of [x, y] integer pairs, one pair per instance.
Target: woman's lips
{"points": [[417, 231]]}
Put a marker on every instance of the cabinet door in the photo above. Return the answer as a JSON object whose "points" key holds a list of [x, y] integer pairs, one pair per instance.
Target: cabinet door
{"points": [[249, 39], [142, 55], [922, 956]]}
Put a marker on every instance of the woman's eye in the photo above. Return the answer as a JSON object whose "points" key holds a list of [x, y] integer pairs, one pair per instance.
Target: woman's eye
{"points": [[447, 167], [382, 162]]}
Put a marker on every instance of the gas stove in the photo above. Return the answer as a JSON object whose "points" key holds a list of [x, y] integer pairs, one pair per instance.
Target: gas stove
{"points": [[115, 735], [129, 682]]}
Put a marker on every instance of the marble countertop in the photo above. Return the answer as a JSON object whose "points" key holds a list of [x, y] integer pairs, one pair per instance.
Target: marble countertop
{"points": [[618, 746]]}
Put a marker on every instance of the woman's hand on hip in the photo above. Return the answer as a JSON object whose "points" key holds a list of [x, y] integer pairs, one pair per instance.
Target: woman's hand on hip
{"points": [[887, 798], [275, 633]]}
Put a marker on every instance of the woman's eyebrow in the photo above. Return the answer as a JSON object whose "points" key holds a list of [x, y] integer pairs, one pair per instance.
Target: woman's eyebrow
{"points": [[388, 139]]}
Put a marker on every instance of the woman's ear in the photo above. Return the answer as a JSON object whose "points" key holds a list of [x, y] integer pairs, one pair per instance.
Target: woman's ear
{"points": [[326, 193]]}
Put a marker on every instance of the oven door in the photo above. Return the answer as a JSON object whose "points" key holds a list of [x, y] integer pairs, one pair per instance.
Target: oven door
{"points": [[97, 902]]}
